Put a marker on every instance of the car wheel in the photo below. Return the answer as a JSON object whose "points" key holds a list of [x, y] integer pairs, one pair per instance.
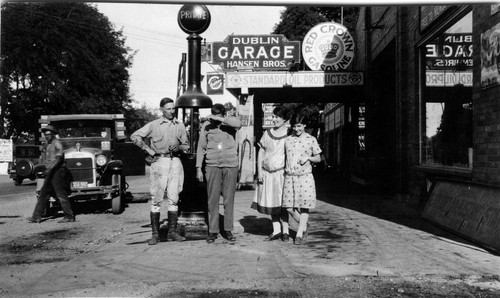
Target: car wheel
{"points": [[117, 201]]}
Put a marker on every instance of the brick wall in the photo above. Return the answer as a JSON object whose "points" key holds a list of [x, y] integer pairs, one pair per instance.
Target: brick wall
{"points": [[411, 27], [401, 24], [359, 38], [486, 112], [384, 16]]}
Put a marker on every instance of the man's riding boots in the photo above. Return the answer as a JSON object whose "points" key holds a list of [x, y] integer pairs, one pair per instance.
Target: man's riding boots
{"points": [[173, 233], [155, 227]]}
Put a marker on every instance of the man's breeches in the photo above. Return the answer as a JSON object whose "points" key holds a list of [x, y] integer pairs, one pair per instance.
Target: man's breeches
{"points": [[167, 176]]}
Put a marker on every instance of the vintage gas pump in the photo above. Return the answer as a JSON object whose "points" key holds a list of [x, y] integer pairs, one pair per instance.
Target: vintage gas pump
{"points": [[193, 19]]}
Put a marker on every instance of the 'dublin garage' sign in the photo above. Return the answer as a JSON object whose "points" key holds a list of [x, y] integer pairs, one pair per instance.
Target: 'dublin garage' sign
{"points": [[328, 46], [257, 52]]}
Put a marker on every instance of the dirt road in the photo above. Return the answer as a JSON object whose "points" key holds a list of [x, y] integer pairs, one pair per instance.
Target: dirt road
{"points": [[359, 246]]}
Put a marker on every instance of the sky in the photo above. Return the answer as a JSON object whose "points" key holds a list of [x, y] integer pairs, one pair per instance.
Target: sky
{"points": [[152, 30]]}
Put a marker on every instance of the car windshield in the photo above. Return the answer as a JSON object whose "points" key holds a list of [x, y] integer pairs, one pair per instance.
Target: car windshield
{"points": [[84, 129]]}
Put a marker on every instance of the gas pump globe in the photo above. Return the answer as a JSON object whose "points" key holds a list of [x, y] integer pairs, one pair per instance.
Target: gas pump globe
{"points": [[193, 19]]}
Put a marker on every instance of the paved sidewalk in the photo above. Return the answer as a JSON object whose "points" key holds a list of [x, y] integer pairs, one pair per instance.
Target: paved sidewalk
{"points": [[352, 235]]}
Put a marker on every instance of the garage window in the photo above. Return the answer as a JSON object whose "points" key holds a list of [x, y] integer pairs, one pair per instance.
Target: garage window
{"points": [[447, 96]]}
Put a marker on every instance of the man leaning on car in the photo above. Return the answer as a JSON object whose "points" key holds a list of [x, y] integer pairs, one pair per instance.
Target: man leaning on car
{"points": [[167, 139], [56, 179]]}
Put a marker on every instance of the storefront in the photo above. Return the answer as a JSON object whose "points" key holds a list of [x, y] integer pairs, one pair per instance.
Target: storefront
{"points": [[433, 72], [416, 114]]}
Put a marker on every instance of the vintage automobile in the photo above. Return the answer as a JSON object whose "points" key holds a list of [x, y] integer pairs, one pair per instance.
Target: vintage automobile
{"points": [[24, 163], [89, 141]]}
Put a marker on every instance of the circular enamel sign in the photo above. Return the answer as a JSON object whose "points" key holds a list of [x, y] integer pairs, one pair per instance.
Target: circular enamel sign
{"points": [[215, 82], [193, 18], [328, 46]]}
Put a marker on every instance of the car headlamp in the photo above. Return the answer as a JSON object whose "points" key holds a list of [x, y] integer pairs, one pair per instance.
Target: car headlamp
{"points": [[101, 160]]}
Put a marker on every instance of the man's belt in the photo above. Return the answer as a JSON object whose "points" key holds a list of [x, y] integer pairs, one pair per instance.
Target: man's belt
{"points": [[169, 154]]}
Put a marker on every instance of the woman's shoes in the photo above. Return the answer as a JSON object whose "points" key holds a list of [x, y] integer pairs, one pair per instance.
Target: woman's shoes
{"points": [[273, 237], [299, 241], [284, 237], [303, 239], [304, 236]]}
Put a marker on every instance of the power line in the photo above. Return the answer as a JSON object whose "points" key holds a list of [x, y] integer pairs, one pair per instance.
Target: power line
{"points": [[87, 26]]}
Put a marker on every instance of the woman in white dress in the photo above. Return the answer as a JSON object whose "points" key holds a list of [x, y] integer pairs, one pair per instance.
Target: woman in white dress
{"points": [[270, 176]]}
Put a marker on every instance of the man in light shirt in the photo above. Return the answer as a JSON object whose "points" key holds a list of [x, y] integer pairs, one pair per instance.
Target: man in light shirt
{"points": [[168, 139]]}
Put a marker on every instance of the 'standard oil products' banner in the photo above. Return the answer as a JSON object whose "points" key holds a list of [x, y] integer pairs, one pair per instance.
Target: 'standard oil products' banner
{"points": [[441, 78], [257, 52], [305, 79]]}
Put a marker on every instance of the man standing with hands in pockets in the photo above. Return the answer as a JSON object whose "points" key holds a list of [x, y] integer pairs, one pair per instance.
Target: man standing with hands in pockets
{"points": [[168, 139]]}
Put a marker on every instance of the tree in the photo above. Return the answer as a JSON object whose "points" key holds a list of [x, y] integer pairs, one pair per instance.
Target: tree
{"points": [[346, 16], [136, 118], [295, 22], [59, 58]]}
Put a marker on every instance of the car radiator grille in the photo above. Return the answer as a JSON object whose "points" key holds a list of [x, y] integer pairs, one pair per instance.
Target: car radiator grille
{"points": [[81, 169]]}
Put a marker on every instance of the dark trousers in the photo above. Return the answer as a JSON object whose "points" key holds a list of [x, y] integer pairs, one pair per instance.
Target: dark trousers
{"points": [[221, 181], [56, 183]]}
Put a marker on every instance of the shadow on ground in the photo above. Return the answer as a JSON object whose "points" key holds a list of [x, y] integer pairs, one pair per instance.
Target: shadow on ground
{"points": [[334, 189]]}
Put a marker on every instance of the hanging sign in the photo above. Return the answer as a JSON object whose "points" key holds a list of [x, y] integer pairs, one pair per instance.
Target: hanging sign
{"points": [[215, 83], [255, 52], [328, 46], [267, 115]]}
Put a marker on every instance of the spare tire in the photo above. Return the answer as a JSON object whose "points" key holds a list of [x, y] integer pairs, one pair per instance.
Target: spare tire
{"points": [[24, 168]]}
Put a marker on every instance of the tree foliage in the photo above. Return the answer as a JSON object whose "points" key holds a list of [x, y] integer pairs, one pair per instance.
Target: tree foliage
{"points": [[346, 16], [296, 21], [59, 58], [136, 118]]}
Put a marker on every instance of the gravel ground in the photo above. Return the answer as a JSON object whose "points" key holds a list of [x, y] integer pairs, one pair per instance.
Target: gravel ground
{"points": [[95, 257]]}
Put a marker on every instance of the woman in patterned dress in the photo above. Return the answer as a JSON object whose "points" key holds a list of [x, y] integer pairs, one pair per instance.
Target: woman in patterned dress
{"points": [[299, 194], [271, 169]]}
